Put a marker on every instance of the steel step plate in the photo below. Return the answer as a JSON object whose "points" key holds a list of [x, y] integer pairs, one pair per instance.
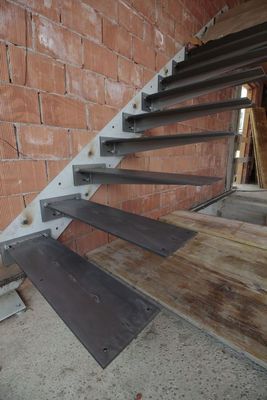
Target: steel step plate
{"points": [[156, 236], [103, 313], [84, 174]]}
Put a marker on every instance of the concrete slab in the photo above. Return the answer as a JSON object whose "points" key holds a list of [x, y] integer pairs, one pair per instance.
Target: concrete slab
{"points": [[41, 359]]}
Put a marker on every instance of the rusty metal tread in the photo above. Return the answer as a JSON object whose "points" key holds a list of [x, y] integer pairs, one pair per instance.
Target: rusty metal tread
{"points": [[103, 313]]}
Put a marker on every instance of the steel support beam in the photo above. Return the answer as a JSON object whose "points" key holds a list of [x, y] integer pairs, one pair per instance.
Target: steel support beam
{"points": [[214, 69], [103, 313], [173, 96], [152, 235], [120, 147], [222, 53], [86, 174], [217, 46], [142, 122]]}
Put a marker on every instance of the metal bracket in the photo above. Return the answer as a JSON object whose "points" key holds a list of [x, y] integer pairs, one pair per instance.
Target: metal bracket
{"points": [[49, 214], [79, 178], [105, 148], [126, 125], [174, 65], [5, 246], [160, 85], [146, 104]]}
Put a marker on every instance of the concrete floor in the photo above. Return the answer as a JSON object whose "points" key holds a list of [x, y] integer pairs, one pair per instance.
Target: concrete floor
{"points": [[40, 359]]}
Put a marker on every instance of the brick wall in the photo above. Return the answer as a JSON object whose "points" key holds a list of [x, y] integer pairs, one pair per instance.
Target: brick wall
{"points": [[66, 67]]}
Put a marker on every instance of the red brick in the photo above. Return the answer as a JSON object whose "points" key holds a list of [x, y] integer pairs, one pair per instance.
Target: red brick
{"points": [[74, 229], [168, 199], [50, 9], [100, 115], [101, 195], [8, 145], [117, 38], [175, 9], [4, 76], [161, 60], [54, 167], [57, 42], [91, 241], [41, 72], [147, 8], [29, 197], [63, 111], [130, 20], [160, 41], [180, 35], [82, 18], [117, 94], [169, 46], [43, 142], [18, 104], [100, 59], [196, 10], [129, 72], [147, 75], [79, 139], [143, 54], [22, 176], [119, 193], [133, 206], [12, 23], [108, 8], [86, 84], [165, 22], [10, 207], [151, 202]]}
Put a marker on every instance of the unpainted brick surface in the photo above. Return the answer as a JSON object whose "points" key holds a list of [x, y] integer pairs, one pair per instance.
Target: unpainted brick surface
{"points": [[4, 75], [36, 70], [63, 111], [66, 68]]}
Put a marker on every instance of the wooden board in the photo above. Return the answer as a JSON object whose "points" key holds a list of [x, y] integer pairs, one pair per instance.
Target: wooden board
{"points": [[241, 232], [236, 19], [218, 284], [259, 131]]}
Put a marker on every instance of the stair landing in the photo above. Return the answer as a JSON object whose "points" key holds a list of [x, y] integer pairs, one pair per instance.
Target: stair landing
{"points": [[217, 281]]}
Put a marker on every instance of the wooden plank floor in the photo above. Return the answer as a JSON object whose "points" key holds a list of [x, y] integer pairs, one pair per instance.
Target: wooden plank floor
{"points": [[238, 231], [217, 281]]}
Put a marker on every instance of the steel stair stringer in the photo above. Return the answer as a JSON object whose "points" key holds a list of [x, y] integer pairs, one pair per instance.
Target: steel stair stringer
{"points": [[29, 221], [87, 299]]}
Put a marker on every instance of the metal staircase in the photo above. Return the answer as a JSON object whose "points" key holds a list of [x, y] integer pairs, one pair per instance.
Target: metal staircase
{"points": [[103, 313]]}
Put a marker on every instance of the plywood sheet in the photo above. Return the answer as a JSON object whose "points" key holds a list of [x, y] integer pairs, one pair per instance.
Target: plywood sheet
{"points": [[218, 284]]}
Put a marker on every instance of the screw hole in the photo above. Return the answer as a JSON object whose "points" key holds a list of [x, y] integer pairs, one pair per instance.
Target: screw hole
{"points": [[41, 280], [56, 228], [148, 308], [105, 349], [113, 126], [59, 183], [86, 194]]}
